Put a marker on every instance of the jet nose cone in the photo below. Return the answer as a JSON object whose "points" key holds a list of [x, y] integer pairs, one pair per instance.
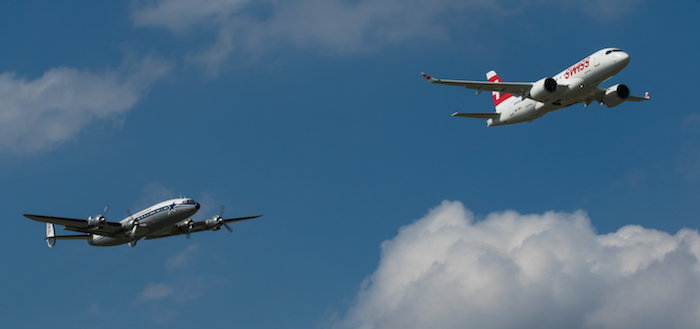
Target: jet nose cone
{"points": [[622, 57], [196, 206]]}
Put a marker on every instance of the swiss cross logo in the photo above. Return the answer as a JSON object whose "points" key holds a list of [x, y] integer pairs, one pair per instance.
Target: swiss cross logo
{"points": [[497, 97]]}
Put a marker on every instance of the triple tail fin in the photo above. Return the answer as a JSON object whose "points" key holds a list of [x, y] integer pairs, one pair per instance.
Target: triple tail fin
{"points": [[498, 99], [50, 235]]}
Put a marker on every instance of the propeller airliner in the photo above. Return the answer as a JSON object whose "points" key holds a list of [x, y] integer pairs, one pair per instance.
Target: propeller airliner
{"points": [[168, 218], [577, 84]]}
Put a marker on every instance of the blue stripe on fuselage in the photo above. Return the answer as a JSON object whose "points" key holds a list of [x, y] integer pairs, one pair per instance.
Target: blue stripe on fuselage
{"points": [[151, 213]]}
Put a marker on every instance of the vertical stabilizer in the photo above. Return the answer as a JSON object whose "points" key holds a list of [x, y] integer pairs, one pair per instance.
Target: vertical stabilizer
{"points": [[50, 235], [498, 99]]}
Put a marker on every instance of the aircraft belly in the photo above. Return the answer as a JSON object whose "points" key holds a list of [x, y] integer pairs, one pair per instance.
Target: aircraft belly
{"points": [[515, 117], [106, 241]]}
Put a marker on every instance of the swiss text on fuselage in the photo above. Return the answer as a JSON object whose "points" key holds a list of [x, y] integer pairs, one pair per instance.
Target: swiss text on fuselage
{"points": [[580, 66]]}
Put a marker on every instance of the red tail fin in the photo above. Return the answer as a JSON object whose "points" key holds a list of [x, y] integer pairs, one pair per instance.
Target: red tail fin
{"points": [[497, 97]]}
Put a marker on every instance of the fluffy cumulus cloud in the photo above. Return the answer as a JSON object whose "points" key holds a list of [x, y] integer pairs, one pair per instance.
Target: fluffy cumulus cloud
{"points": [[509, 270], [334, 26], [39, 114]]}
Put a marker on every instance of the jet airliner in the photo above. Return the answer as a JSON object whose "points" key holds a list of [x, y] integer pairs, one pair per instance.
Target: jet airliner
{"points": [[577, 84], [167, 218]]}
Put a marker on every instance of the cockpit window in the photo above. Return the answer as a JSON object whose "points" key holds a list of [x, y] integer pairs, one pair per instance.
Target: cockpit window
{"points": [[612, 51]]}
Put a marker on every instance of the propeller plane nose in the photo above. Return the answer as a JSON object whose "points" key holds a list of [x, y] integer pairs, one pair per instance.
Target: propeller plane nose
{"points": [[196, 206]]}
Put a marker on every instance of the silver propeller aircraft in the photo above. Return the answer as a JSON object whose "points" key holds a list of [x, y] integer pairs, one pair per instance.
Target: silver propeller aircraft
{"points": [[168, 218], [577, 84]]}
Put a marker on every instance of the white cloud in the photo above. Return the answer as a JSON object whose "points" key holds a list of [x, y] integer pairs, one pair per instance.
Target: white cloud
{"points": [[335, 26], [329, 26], [510, 270], [177, 15], [153, 193], [154, 291], [39, 114], [182, 258], [178, 290]]}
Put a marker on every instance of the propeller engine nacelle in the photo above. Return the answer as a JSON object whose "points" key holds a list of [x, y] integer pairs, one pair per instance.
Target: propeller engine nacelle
{"points": [[217, 221], [132, 226], [97, 221], [186, 225], [544, 89], [214, 223], [615, 95]]}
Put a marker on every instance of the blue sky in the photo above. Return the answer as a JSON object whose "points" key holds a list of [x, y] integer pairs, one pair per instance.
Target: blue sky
{"points": [[314, 114]]}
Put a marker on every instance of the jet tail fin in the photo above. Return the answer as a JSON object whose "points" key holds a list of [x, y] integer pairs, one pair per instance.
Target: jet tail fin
{"points": [[498, 99]]}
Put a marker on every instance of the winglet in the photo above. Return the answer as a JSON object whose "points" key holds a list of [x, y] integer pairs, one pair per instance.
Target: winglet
{"points": [[431, 79], [646, 95]]}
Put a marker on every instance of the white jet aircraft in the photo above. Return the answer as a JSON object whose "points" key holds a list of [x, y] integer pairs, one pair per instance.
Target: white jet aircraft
{"points": [[168, 218], [577, 84]]}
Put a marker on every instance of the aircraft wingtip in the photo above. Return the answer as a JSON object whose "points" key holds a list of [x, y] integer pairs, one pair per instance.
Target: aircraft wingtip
{"points": [[431, 79]]}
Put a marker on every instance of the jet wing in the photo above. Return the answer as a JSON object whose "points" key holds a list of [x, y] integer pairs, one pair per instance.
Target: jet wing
{"points": [[599, 93], [196, 227], [79, 225], [517, 88]]}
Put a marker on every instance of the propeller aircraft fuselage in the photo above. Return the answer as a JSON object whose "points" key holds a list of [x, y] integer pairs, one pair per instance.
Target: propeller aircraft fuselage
{"points": [[167, 218]]}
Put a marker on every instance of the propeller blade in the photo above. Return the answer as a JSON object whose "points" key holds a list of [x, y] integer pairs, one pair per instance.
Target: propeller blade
{"points": [[230, 230], [133, 230], [104, 213], [222, 211]]}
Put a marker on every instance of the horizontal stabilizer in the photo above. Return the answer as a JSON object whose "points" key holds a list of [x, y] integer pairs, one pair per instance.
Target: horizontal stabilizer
{"points": [[70, 237], [491, 115]]}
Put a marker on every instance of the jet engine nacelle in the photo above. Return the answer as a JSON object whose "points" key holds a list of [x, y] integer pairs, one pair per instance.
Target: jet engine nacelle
{"points": [[544, 89], [615, 95], [97, 221], [214, 223]]}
